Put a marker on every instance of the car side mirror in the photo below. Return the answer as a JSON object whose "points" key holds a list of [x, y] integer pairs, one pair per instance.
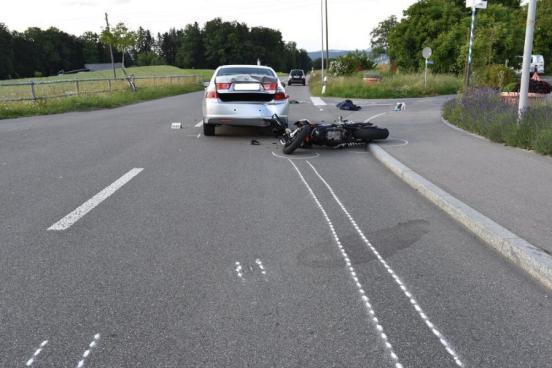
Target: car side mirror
{"points": [[206, 84], [283, 84]]}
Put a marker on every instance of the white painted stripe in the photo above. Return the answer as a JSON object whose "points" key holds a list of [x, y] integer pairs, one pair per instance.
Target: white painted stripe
{"points": [[198, 135], [317, 101], [352, 272], [36, 353], [87, 206], [86, 353], [200, 123], [261, 266], [396, 278], [375, 116], [239, 270]]}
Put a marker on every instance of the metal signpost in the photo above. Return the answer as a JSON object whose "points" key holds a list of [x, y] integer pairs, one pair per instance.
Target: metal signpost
{"points": [[426, 53], [528, 49], [474, 5]]}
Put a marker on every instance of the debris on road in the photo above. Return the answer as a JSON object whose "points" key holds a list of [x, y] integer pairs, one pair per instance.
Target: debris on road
{"points": [[176, 125], [255, 142], [400, 106], [348, 105]]}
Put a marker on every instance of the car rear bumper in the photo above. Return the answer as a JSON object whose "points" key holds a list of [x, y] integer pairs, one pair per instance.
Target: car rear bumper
{"points": [[243, 114], [293, 80]]}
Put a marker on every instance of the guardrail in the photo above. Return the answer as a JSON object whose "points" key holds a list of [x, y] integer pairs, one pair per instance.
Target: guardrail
{"points": [[43, 90]]}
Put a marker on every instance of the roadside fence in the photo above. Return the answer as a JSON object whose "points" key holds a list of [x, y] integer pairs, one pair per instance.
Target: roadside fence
{"points": [[43, 90]]}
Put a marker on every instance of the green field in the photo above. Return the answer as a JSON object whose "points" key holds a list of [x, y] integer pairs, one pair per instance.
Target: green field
{"points": [[68, 95], [138, 71], [398, 85]]}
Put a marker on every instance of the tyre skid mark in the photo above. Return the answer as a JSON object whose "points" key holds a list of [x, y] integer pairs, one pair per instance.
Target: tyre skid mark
{"points": [[397, 280], [372, 314]]}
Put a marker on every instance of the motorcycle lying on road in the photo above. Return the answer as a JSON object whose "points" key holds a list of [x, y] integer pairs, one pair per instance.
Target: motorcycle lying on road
{"points": [[338, 134]]}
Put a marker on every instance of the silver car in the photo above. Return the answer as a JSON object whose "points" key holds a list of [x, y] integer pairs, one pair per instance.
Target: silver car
{"points": [[243, 95]]}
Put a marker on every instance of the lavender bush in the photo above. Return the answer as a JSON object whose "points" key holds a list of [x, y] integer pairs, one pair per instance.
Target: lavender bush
{"points": [[482, 111]]}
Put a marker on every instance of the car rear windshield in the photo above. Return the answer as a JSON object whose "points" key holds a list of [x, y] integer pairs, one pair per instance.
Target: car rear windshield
{"points": [[297, 71], [245, 70]]}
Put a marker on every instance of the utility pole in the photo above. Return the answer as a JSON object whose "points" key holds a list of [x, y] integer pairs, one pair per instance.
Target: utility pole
{"points": [[110, 48], [322, 36], [528, 49], [327, 48], [470, 47], [474, 5]]}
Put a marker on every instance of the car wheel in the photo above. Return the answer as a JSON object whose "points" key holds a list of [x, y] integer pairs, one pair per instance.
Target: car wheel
{"points": [[208, 129], [304, 83]]}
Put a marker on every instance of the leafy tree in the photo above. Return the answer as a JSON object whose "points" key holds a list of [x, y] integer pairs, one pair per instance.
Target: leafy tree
{"points": [[149, 58], [91, 47], [191, 53], [380, 34], [169, 42], [124, 39], [7, 54], [543, 30]]}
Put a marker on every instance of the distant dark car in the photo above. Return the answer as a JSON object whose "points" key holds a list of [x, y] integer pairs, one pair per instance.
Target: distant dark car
{"points": [[297, 76]]}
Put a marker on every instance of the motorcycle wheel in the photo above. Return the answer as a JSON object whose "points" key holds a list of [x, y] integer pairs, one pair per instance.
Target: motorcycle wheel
{"points": [[296, 141], [368, 134]]}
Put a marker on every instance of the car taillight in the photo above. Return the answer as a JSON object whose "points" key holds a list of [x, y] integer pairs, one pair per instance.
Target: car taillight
{"points": [[211, 94], [280, 96], [270, 86], [223, 86]]}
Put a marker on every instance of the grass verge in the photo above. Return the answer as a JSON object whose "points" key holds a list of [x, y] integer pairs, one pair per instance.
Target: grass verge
{"points": [[93, 102], [390, 86], [483, 112]]}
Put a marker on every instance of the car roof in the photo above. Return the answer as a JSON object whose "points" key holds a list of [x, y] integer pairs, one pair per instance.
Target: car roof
{"points": [[245, 66]]}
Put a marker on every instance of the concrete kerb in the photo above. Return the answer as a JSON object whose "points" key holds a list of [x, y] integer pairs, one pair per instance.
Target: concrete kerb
{"points": [[522, 253]]}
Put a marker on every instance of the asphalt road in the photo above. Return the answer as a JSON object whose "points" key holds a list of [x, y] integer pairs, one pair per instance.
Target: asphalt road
{"points": [[219, 253]]}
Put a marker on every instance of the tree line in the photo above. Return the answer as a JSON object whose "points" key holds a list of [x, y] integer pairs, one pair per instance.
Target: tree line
{"points": [[444, 26], [37, 52]]}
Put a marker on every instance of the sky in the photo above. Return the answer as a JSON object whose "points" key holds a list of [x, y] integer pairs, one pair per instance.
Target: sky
{"points": [[350, 21]]}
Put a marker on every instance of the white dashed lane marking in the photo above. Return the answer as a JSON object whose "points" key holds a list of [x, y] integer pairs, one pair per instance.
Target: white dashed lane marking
{"points": [[261, 266], [317, 101], [199, 124], [87, 351], [89, 205], [406, 292], [364, 297], [36, 353], [239, 270]]}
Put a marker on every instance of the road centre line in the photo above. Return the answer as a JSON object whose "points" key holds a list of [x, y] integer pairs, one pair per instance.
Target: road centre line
{"points": [[352, 272], [89, 205], [317, 101], [200, 123], [36, 353], [404, 289]]}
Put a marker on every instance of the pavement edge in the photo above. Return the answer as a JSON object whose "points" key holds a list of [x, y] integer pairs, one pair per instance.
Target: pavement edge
{"points": [[519, 251]]}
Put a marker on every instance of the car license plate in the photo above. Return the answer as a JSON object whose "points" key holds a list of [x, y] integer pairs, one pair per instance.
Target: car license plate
{"points": [[247, 87]]}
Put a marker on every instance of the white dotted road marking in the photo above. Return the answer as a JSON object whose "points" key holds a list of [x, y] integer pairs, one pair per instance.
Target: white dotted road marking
{"points": [[364, 297], [373, 117], [317, 101], [261, 266], [239, 270], [36, 353], [404, 289], [198, 135], [87, 351], [199, 124], [89, 205]]}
